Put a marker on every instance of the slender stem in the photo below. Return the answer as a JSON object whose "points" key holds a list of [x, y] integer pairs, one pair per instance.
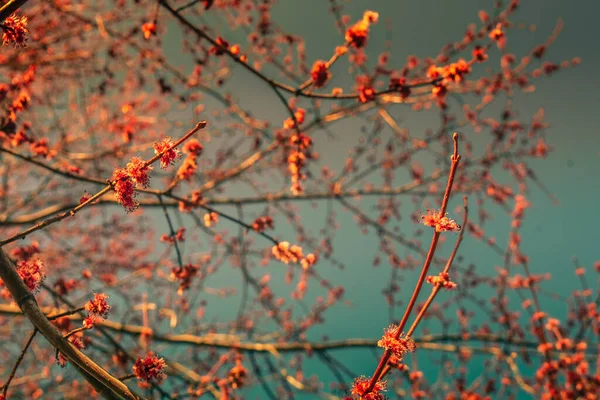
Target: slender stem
{"points": [[386, 356], [74, 331], [455, 158], [18, 362], [101, 193], [172, 232], [436, 289], [126, 377], [66, 313], [199, 126]]}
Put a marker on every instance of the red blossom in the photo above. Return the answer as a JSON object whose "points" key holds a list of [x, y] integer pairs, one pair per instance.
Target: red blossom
{"points": [[540, 149], [19, 137], [308, 261], [262, 223], [40, 148], [301, 141], [98, 306], [320, 73], [286, 253], [22, 102], [357, 34], [184, 274], [179, 236], [399, 85], [220, 48], [149, 368], [26, 252], [366, 93], [192, 146], [434, 72], [4, 88], [210, 219], [521, 203], [297, 188], [439, 91], [124, 188], [207, 3], [497, 35], [149, 29], [196, 199], [296, 161], [15, 31], [441, 224], [168, 154], [479, 54], [89, 321], [456, 71], [188, 168], [443, 280], [138, 171], [31, 273], [237, 375], [361, 384], [76, 340], [86, 196], [299, 115], [397, 346]]}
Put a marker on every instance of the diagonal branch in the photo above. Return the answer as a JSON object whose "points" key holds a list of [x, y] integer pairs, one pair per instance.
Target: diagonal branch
{"points": [[9, 8]]}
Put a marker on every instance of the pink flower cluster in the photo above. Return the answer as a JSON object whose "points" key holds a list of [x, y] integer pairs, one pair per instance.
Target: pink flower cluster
{"points": [[149, 368]]}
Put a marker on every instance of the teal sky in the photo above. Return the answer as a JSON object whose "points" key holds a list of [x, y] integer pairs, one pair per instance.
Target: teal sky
{"points": [[553, 233]]}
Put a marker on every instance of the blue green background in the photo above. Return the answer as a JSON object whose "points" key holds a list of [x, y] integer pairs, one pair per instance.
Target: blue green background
{"points": [[553, 233]]}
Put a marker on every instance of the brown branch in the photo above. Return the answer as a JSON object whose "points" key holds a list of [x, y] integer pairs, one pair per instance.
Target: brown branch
{"points": [[216, 201], [9, 8], [50, 168], [229, 342]]}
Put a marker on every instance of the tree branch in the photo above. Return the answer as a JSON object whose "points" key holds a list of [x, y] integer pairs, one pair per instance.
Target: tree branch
{"points": [[9, 8], [228, 342]]}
